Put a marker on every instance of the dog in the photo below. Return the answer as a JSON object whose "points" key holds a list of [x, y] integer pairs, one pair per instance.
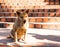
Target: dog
{"points": [[20, 26]]}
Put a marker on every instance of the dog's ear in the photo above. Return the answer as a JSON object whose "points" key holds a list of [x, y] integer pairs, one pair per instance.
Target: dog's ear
{"points": [[26, 11], [18, 13]]}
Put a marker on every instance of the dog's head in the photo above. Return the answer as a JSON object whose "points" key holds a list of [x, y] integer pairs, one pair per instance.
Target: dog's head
{"points": [[22, 15]]}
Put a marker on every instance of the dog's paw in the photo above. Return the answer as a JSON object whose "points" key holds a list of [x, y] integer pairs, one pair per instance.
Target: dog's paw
{"points": [[22, 41]]}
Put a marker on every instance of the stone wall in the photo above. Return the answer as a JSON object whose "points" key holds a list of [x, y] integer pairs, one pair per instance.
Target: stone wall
{"points": [[42, 13]]}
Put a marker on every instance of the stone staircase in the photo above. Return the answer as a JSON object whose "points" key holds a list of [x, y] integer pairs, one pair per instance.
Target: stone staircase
{"points": [[42, 15]]}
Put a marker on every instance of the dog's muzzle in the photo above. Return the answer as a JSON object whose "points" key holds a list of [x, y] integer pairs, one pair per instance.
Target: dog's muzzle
{"points": [[24, 21]]}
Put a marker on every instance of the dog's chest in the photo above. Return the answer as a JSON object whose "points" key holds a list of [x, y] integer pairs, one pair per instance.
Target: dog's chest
{"points": [[20, 32]]}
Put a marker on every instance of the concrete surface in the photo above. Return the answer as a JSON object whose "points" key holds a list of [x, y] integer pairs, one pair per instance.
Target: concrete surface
{"points": [[35, 37]]}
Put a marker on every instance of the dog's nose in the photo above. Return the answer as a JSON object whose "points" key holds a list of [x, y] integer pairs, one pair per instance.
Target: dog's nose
{"points": [[24, 21], [21, 17]]}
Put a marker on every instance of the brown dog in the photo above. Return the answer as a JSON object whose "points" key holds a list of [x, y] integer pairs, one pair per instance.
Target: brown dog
{"points": [[20, 26]]}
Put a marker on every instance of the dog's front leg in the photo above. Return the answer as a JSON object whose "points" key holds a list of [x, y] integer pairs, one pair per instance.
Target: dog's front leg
{"points": [[15, 37], [24, 36]]}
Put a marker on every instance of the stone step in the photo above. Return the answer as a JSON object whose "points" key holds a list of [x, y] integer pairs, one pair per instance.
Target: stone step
{"points": [[34, 37]]}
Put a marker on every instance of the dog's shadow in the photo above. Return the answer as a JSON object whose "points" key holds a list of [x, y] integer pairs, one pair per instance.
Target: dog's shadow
{"points": [[3, 37], [48, 37], [5, 41]]}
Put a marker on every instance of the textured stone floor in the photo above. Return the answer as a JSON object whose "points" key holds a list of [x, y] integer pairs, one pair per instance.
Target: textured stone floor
{"points": [[34, 37]]}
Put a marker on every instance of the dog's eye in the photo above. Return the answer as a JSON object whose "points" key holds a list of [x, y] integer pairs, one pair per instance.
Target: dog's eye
{"points": [[21, 17]]}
